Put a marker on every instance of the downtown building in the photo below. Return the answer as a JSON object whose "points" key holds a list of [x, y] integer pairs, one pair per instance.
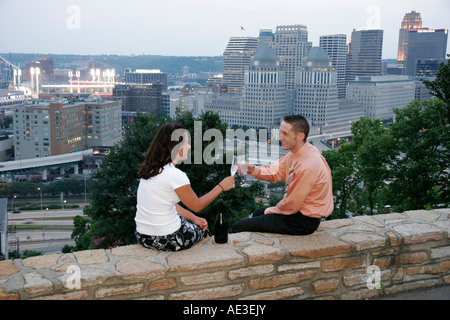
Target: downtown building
{"points": [[291, 45], [336, 47], [146, 76], [145, 97], [236, 58], [264, 96], [364, 54], [379, 95], [424, 44], [44, 128], [411, 21], [317, 96]]}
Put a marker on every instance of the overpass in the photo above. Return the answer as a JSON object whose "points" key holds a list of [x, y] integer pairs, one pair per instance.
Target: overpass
{"points": [[27, 166]]}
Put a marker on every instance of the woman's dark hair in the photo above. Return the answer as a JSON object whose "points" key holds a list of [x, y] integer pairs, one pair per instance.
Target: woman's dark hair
{"points": [[160, 151], [299, 123]]}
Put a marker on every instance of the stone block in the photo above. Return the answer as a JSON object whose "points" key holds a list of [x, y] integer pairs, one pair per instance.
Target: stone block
{"points": [[137, 269], [334, 224], [210, 293], [204, 278], [411, 258], [282, 279], [440, 252], [89, 277], [205, 257], [424, 215], [364, 241], [418, 232], [118, 290], [343, 263], [8, 296], [276, 294], [259, 254], [134, 250], [299, 266], [7, 268], [34, 283], [87, 257], [42, 262], [314, 246], [325, 285], [163, 284], [250, 271], [75, 295]]}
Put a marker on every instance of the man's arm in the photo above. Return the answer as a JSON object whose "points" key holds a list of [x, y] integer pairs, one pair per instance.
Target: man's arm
{"points": [[276, 172]]}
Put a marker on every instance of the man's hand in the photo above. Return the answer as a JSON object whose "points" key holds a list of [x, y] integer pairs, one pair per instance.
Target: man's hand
{"points": [[268, 211], [250, 168]]}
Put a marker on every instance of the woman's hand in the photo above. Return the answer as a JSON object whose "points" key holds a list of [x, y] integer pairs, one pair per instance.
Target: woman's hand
{"points": [[227, 183], [201, 222]]}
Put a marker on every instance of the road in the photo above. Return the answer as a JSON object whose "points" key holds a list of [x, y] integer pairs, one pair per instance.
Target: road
{"points": [[43, 237]]}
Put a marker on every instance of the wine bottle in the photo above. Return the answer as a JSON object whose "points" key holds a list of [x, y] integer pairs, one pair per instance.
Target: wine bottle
{"points": [[220, 229]]}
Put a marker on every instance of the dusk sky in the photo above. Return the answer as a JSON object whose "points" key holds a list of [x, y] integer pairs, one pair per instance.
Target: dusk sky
{"points": [[193, 27]]}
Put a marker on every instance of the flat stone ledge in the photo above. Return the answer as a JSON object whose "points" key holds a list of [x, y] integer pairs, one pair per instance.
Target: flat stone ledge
{"points": [[408, 247]]}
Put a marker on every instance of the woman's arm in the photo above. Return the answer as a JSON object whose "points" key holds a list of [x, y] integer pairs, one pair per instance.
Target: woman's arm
{"points": [[201, 222], [196, 204]]}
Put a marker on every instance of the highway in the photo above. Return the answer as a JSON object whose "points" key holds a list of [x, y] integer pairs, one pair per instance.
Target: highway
{"points": [[51, 230]]}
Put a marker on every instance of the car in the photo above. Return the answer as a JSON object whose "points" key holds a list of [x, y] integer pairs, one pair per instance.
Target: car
{"points": [[16, 211]]}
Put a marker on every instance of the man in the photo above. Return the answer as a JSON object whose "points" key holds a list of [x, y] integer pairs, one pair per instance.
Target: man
{"points": [[308, 193]]}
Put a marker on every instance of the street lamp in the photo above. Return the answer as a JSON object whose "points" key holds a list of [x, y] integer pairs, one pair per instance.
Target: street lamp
{"points": [[12, 203]]}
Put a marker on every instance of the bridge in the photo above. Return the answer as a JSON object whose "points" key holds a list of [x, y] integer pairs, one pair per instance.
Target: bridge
{"points": [[26, 166]]}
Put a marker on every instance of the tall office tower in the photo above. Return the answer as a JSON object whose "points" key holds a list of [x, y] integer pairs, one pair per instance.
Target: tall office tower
{"points": [[266, 37], [336, 47], [264, 98], [235, 58], [411, 20], [291, 45], [425, 44], [364, 54], [316, 84]]}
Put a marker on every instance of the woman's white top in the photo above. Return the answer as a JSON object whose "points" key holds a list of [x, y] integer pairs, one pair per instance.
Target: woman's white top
{"points": [[156, 214]]}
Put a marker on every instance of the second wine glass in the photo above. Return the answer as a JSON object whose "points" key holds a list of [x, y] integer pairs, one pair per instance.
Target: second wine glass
{"points": [[243, 165]]}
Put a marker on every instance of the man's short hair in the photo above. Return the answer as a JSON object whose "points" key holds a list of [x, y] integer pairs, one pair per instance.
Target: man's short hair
{"points": [[299, 123]]}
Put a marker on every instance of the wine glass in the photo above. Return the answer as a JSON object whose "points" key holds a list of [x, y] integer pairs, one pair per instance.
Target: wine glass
{"points": [[244, 166], [234, 166]]}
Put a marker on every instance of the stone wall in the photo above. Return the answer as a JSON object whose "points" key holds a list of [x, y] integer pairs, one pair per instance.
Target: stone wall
{"points": [[356, 258]]}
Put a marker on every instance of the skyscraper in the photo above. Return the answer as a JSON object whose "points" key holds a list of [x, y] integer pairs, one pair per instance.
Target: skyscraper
{"points": [[266, 37], [235, 58], [425, 44], [291, 45], [411, 20], [264, 98], [336, 47], [364, 56], [316, 84]]}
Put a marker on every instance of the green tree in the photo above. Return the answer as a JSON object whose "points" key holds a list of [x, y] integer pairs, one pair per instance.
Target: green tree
{"points": [[374, 152], [421, 167], [345, 178]]}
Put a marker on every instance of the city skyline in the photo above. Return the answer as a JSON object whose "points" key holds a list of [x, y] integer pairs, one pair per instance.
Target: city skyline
{"points": [[194, 27]]}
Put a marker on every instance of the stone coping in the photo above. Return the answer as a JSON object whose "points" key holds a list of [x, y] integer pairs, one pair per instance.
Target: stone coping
{"points": [[412, 249]]}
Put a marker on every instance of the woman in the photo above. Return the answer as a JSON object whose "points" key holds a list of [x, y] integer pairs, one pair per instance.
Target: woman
{"points": [[161, 223]]}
